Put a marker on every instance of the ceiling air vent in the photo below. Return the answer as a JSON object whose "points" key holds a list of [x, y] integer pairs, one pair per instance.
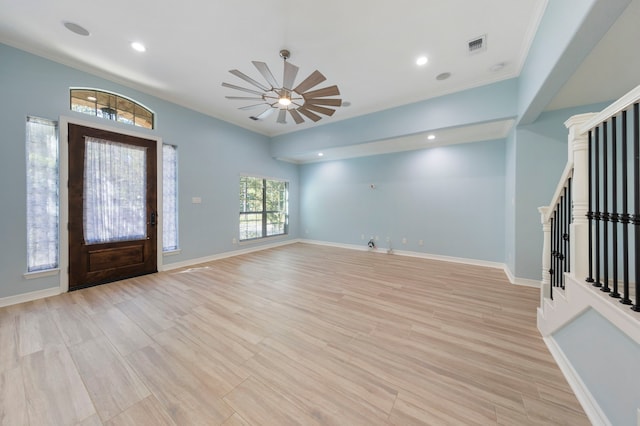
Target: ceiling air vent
{"points": [[477, 45]]}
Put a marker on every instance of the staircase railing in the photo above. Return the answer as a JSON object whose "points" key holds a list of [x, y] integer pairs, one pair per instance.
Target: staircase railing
{"points": [[592, 225]]}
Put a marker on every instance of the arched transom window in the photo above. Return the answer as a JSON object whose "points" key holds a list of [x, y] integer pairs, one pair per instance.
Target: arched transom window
{"points": [[111, 106]]}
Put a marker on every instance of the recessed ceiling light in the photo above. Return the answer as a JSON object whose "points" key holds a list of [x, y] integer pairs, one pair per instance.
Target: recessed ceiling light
{"points": [[431, 137], [138, 46], [320, 154], [422, 60], [443, 76], [92, 98], [76, 29]]}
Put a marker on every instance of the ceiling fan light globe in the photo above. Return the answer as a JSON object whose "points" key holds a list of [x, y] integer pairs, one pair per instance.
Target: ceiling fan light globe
{"points": [[284, 101]]}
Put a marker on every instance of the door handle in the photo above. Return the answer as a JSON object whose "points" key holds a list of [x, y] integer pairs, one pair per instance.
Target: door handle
{"points": [[152, 222]]}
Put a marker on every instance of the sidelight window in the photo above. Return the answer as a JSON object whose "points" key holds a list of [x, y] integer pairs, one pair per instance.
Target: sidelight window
{"points": [[169, 198], [42, 194]]}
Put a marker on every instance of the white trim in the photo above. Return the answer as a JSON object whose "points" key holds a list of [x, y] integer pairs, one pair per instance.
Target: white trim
{"points": [[41, 274], [525, 282], [580, 296], [63, 154], [589, 404], [613, 109], [224, 255], [28, 297], [488, 264]]}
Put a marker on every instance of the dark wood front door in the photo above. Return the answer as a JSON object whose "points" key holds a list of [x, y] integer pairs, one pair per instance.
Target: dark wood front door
{"points": [[112, 206]]}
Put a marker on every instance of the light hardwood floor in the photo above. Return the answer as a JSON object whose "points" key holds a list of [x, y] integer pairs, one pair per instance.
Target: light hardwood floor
{"points": [[300, 334]]}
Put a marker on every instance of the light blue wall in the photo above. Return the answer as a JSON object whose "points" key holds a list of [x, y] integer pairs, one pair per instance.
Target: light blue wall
{"points": [[451, 197], [541, 156], [568, 31], [212, 155], [606, 360], [510, 202], [482, 104]]}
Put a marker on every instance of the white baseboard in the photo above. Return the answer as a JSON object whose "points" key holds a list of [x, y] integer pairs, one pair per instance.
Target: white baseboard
{"points": [[28, 297], [192, 262], [586, 399], [520, 281], [488, 264]]}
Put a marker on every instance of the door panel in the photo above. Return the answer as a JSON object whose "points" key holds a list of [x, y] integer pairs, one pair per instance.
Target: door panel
{"points": [[112, 206]]}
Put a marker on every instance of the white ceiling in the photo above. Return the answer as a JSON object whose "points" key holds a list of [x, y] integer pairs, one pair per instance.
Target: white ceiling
{"points": [[367, 47], [614, 68]]}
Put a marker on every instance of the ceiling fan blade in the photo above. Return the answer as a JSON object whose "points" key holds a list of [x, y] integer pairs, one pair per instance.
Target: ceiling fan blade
{"points": [[296, 116], [253, 106], [231, 86], [249, 80], [313, 80], [244, 98], [329, 102], [264, 114], [266, 73], [321, 110], [321, 93], [282, 116], [309, 114], [290, 73]]}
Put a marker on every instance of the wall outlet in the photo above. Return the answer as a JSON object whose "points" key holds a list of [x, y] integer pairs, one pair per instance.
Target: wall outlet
{"points": [[388, 239], [420, 242], [234, 241], [306, 231], [377, 238], [362, 236], [404, 241]]}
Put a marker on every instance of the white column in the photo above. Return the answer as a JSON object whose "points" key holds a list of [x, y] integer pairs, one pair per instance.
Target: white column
{"points": [[545, 283], [579, 230]]}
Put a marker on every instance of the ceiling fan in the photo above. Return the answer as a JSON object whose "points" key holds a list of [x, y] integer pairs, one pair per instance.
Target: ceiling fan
{"points": [[298, 101]]}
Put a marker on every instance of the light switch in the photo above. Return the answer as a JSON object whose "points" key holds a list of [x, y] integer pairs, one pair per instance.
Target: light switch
{"points": [[196, 200]]}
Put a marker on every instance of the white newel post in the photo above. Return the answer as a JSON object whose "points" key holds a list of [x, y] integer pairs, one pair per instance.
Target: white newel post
{"points": [[545, 284], [579, 229]]}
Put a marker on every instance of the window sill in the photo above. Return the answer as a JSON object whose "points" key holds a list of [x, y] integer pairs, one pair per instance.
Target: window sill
{"points": [[171, 252], [40, 274]]}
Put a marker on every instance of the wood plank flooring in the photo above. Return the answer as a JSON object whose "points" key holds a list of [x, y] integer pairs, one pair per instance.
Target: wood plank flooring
{"points": [[297, 335]]}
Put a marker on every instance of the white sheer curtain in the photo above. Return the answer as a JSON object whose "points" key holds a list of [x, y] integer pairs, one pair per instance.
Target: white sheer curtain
{"points": [[42, 194], [114, 191], [169, 198]]}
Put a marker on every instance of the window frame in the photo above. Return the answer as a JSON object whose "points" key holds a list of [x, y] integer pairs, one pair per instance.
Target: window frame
{"points": [[116, 107], [53, 195], [167, 227], [263, 212]]}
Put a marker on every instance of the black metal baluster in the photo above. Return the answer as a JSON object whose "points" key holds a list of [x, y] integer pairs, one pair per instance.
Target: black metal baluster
{"points": [[636, 202], [590, 156], [560, 247], [605, 211], [569, 220], [596, 215], [624, 218], [565, 232], [552, 275], [614, 203]]}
